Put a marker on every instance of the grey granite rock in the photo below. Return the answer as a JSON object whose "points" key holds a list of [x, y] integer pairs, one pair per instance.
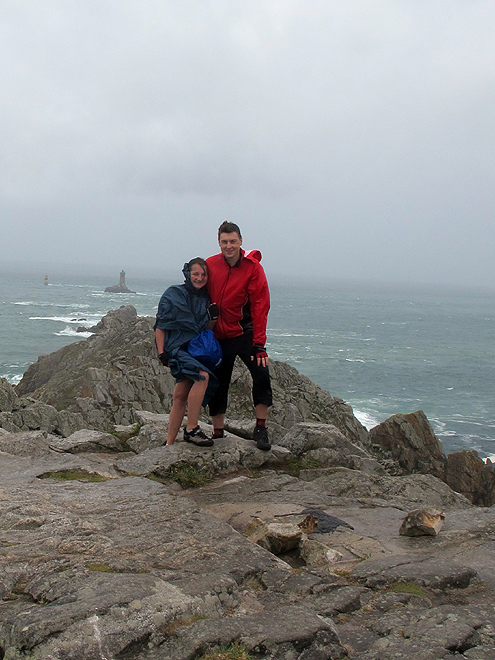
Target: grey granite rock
{"points": [[88, 441], [27, 443], [308, 437], [8, 397], [136, 569]]}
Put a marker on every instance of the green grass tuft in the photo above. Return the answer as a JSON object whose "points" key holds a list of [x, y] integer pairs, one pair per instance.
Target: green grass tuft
{"points": [[73, 475], [100, 568], [188, 475], [294, 465], [409, 588]]}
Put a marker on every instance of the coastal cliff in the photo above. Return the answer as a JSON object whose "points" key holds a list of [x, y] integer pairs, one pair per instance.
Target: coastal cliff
{"points": [[115, 546]]}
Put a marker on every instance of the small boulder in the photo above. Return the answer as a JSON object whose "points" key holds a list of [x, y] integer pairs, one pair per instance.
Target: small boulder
{"points": [[276, 537], [422, 522]]}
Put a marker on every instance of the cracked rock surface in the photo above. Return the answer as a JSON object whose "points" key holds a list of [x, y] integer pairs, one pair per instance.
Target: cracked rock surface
{"points": [[136, 567], [114, 547]]}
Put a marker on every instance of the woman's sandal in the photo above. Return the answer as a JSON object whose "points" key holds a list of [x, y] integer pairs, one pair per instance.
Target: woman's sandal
{"points": [[197, 437]]}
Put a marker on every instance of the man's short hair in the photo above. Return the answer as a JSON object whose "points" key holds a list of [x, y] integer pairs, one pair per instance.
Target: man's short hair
{"points": [[228, 228]]}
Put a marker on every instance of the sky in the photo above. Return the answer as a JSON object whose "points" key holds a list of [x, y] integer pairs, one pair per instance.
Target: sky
{"points": [[350, 140]]}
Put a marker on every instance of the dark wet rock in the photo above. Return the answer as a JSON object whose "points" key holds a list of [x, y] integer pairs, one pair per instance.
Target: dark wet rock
{"points": [[326, 524], [468, 474], [410, 440]]}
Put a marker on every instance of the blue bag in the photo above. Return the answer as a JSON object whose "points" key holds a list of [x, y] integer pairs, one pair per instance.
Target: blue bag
{"points": [[206, 349]]}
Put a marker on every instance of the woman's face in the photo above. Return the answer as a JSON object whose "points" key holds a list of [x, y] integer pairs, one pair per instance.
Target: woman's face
{"points": [[198, 276]]}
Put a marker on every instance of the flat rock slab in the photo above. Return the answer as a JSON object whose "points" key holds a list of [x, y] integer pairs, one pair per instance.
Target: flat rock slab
{"points": [[27, 443], [259, 633], [16, 470], [110, 563], [432, 573], [87, 441], [226, 455], [133, 568]]}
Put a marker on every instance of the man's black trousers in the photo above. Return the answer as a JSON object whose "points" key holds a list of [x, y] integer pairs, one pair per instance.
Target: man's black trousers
{"points": [[262, 389]]}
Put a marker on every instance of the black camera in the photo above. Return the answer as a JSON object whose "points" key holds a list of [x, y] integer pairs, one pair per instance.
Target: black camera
{"points": [[213, 312]]}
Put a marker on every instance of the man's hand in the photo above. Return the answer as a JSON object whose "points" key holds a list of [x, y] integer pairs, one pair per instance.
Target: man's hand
{"points": [[163, 359], [260, 355]]}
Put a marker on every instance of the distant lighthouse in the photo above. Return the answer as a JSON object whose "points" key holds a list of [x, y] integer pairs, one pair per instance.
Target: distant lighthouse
{"points": [[46, 280]]}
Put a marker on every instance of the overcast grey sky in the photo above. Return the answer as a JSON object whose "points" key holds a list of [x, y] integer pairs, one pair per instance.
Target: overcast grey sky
{"points": [[347, 138]]}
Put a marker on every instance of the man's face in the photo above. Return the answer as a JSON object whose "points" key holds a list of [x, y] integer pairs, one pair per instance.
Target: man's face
{"points": [[230, 246]]}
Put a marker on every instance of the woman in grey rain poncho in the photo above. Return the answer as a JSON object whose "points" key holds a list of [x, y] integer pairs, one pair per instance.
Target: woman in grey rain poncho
{"points": [[184, 310]]}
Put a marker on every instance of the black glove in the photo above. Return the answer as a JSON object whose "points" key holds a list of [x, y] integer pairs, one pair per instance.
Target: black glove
{"points": [[259, 352], [213, 312], [163, 357]]}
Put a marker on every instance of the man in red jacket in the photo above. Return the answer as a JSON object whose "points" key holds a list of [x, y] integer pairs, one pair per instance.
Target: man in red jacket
{"points": [[237, 284]]}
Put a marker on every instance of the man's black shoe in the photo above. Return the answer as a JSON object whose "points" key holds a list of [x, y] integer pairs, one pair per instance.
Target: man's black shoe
{"points": [[197, 437], [260, 436]]}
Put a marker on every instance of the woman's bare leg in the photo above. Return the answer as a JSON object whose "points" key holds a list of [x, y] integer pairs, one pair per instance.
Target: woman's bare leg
{"points": [[176, 416], [195, 399]]}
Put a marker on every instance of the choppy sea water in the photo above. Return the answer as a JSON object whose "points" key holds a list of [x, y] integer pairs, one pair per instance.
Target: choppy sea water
{"points": [[383, 350]]}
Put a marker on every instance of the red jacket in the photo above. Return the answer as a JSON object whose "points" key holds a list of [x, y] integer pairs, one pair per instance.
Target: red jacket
{"points": [[241, 293]]}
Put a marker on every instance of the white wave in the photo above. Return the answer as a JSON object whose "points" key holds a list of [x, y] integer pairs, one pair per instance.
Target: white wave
{"points": [[25, 302], [70, 332], [367, 420], [13, 380], [354, 360], [288, 334], [90, 319]]}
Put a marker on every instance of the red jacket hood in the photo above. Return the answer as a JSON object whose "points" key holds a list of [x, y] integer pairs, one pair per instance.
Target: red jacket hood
{"points": [[253, 255]]}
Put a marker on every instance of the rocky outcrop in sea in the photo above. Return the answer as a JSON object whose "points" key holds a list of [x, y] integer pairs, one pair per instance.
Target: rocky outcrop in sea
{"points": [[121, 287], [337, 543]]}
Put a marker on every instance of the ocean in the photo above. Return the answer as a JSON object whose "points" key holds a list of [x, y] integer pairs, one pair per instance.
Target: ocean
{"points": [[384, 350]]}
